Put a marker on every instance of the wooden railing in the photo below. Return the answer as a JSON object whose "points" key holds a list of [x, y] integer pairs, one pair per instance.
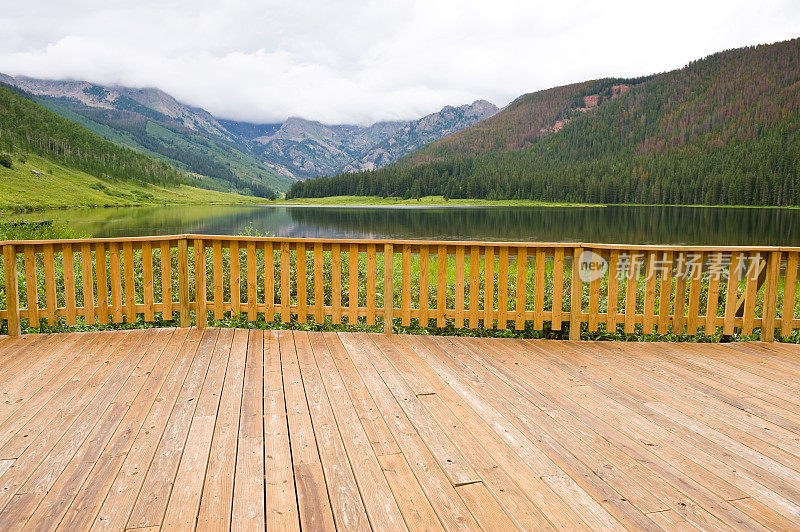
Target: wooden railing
{"points": [[662, 289]]}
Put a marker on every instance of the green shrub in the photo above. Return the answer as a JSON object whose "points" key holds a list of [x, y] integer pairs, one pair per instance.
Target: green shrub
{"points": [[5, 160]]}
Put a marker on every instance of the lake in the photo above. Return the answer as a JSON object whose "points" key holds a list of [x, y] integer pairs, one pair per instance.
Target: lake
{"points": [[613, 224]]}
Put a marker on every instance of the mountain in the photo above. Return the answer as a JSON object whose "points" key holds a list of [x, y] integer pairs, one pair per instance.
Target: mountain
{"points": [[230, 155], [526, 120], [156, 124], [47, 160], [414, 135], [310, 149], [721, 130]]}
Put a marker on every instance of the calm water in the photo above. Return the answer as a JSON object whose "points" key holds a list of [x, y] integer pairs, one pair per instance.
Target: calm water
{"points": [[660, 225]]}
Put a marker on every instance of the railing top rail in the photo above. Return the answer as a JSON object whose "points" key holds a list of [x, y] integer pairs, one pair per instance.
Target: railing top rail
{"points": [[398, 242]]}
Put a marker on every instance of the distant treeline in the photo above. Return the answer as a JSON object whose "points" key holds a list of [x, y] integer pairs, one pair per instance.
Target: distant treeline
{"points": [[723, 130]]}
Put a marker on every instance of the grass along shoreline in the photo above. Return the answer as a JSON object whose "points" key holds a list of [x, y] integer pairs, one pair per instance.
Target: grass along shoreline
{"points": [[59, 187]]}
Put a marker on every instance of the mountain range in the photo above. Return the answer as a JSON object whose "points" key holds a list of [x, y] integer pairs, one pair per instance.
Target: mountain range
{"points": [[231, 155], [724, 129]]}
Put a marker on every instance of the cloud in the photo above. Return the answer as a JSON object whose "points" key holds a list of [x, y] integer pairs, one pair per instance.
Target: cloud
{"points": [[361, 61]]}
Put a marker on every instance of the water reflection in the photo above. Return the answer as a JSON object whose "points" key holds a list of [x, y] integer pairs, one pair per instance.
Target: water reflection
{"points": [[675, 225]]}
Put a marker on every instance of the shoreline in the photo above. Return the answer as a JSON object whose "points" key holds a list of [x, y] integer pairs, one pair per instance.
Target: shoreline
{"points": [[374, 202]]}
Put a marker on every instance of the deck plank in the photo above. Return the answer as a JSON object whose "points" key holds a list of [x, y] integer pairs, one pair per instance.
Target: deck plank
{"points": [[449, 507], [217, 489], [313, 501], [348, 508], [34, 442], [280, 499], [187, 489], [251, 429], [153, 494], [503, 452], [375, 493], [122, 417], [109, 493], [248, 492]]}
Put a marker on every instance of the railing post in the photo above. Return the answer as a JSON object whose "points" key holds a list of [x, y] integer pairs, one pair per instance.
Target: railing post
{"points": [[388, 287], [200, 314], [770, 307], [183, 281], [12, 289], [576, 299]]}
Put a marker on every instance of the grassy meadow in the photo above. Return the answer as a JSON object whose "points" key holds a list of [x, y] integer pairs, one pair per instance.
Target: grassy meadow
{"points": [[61, 187]]}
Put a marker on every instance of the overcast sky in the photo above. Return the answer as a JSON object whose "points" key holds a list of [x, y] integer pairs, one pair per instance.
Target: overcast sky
{"points": [[351, 61]]}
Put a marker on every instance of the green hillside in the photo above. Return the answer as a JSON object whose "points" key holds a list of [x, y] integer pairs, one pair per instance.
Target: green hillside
{"points": [[61, 186], [26, 127], [225, 163], [49, 161], [722, 130]]}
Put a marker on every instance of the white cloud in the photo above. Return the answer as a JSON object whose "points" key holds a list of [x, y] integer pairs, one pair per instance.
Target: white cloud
{"points": [[361, 61]]}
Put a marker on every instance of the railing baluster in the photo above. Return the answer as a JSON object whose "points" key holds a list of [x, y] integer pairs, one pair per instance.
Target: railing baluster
{"points": [[576, 297], [371, 274], [522, 287], [319, 283], [219, 280], [712, 308], [147, 281], [200, 299], [236, 281], [502, 289], [102, 281], [488, 287], [650, 292], [474, 286], [69, 284], [269, 282], [732, 293], [130, 286], [252, 282], [424, 284], [286, 288], [302, 295], [441, 285], [789, 289], [679, 305], [116, 283], [166, 281], [695, 286], [751, 288], [31, 286], [12, 289], [666, 292], [594, 299], [539, 289], [388, 288], [352, 289], [405, 287], [631, 292], [88, 283], [183, 282], [769, 308], [613, 291], [336, 283], [558, 288], [50, 284], [459, 301]]}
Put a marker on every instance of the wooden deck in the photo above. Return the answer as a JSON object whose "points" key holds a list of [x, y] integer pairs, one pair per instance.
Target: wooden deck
{"points": [[184, 428]]}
